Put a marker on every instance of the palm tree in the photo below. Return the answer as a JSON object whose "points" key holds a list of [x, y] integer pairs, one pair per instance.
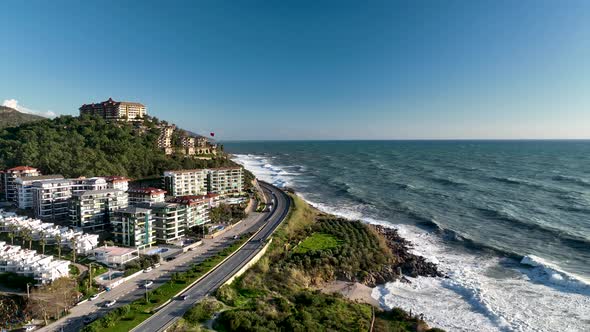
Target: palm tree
{"points": [[12, 233], [58, 242], [42, 242], [28, 236], [74, 241]]}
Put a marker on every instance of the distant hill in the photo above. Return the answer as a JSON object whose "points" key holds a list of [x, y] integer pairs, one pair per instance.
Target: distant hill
{"points": [[9, 117]]}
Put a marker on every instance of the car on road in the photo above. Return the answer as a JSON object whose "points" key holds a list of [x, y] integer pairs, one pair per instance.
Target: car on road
{"points": [[148, 283], [148, 269], [93, 297], [184, 297], [110, 303]]}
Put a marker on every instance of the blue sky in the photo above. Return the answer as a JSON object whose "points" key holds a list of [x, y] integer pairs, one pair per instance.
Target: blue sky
{"points": [[310, 69]]}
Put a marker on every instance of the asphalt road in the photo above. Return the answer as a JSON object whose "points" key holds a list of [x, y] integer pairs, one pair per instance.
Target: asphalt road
{"points": [[132, 289], [166, 316]]}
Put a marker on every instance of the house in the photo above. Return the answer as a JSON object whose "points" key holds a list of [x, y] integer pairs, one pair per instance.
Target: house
{"points": [[112, 256]]}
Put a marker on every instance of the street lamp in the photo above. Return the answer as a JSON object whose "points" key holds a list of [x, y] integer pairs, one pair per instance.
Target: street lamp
{"points": [[28, 293], [146, 291]]}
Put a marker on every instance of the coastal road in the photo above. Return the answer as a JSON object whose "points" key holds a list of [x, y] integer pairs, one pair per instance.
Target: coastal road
{"points": [[131, 290], [169, 314]]}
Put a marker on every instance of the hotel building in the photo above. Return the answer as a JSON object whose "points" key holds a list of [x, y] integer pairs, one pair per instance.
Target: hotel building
{"points": [[170, 221], [111, 110], [91, 210], [134, 227]]}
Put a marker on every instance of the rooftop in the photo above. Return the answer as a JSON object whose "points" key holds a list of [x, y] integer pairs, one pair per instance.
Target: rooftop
{"points": [[101, 191], [21, 168], [149, 190], [135, 209], [116, 178], [117, 251], [111, 102], [40, 177]]}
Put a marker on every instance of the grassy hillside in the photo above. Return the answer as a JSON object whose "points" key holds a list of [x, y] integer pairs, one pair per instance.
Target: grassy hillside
{"points": [[10, 117], [90, 146]]}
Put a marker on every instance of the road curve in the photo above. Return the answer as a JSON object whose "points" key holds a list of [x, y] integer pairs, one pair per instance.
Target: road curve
{"points": [[169, 314]]}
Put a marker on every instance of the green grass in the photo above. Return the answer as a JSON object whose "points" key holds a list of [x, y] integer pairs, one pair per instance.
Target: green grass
{"points": [[318, 241], [139, 310]]}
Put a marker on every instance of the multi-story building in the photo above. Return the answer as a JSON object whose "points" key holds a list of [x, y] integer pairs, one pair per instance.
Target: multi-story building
{"points": [[225, 180], [133, 227], [111, 110], [28, 263], [197, 209], [169, 221], [51, 199], [165, 139], [82, 184], [24, 189], [117, 182], [91, 210], [10, 176], [146, 195], [188, 145], [115, 257], [186, 182]]}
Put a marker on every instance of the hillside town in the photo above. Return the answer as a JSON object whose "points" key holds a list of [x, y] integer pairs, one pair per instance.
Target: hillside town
{"points": [[107, 218]]}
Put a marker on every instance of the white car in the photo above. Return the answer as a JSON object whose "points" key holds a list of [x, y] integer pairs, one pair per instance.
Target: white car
{"points": [[148, 283], [93, 297], [110, 303], [147, 269], [157, 265]]}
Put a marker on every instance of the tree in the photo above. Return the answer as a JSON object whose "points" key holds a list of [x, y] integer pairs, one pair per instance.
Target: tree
{"points": [[42, 241], [12, 233], [74, 242], [58, 243], [27, 236]]}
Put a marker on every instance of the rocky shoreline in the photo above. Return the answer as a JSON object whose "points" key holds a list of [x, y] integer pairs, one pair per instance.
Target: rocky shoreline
{"points": [[407, 263]]}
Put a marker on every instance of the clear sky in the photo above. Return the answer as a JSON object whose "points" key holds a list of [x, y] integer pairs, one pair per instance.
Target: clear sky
{"points": [[310, 69]]}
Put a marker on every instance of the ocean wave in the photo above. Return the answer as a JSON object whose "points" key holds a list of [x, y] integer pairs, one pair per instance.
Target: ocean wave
{"points": [[546, 272], [447, 181], [566, 238], [572, 179]]}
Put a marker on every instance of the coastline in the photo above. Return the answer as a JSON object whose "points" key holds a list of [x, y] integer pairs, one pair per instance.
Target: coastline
{"points": [[484, 290]]}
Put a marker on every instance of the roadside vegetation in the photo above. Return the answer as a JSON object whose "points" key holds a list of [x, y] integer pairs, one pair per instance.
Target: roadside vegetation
{"points": [[227, 214], [129, 316], [281, 292]]}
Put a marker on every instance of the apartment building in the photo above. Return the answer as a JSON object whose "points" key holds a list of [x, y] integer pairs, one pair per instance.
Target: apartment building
{"points": [[28, 263], [134, 227], [91, 210], [118, 182], [197, 209], [186, 182], [24, 189], [111, 110], [51, 199], [170, 221], [82, 184], [188, 145], [146, 195], [225, 180], [9, 178], [165, 139]]}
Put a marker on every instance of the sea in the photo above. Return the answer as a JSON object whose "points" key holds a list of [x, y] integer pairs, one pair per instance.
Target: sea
{"points": [[508, 222]]}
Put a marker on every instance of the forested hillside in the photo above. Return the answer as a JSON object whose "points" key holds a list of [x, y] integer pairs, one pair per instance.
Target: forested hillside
{"points": [[10, 117], [90, 146]]}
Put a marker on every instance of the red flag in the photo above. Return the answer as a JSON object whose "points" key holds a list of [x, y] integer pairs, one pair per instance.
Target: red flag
{"points": [[212, 134]]}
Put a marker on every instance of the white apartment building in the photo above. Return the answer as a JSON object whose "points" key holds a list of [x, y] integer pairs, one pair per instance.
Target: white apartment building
{"points": [[226, 180], [28, 263], [170, 221], [146, 195], [117, 182], [197, 209], [51, 199], [134, 227], [10, 222], [82, 184], [114, 256], [9, 179], [24, 189], [92, 209], [186, 182]]}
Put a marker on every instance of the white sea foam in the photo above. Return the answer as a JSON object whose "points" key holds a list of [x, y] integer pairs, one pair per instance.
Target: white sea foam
{"points": [[480, 294]]}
